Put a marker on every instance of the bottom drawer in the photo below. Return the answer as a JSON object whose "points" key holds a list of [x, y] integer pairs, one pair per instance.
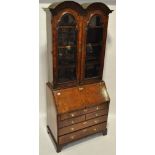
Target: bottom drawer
{"points": [[82, 133]]}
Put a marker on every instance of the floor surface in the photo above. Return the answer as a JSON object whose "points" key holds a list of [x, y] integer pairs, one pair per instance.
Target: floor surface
{"points": [[93, 145]]}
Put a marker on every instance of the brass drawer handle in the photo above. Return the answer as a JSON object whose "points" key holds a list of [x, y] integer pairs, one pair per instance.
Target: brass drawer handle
{"points": [[72, 115], [58, 93], [72, 122], [96, 114], [85, 110], [97, 108], [84, 122], [72, 129], [72, 137], [94, 129], [81, 88], [95, 121]]}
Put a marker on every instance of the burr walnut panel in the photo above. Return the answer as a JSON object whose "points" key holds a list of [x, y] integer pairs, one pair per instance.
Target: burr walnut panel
{"points": [[80, 97]]}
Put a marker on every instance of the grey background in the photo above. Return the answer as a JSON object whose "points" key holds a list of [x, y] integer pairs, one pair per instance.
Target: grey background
{"points": [[108, 2]]}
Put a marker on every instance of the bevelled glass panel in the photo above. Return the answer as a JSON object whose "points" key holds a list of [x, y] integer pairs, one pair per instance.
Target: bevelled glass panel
{"points": [[66, 36], [94, 35], [93, 47], [67, 20], [67, 49], [95, 21], [66, 64]]}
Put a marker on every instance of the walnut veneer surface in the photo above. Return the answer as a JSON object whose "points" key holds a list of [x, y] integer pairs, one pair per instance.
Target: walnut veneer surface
{"points": [[71, 99], [77, 112], [77, 98]]}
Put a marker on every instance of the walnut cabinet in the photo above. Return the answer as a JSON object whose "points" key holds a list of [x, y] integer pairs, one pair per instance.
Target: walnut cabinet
{"points": [[77, 98]]}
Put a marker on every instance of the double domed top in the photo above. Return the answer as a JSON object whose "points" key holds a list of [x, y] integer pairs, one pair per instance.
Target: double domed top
{"points": [[81, 8]]}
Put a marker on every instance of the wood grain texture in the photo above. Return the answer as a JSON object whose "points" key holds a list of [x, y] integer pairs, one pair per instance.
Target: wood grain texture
{"points": [[68, 100], [71, 121], [76, 121], [98, 107], [96, 114], [72, 114], [104, 19], [82, 133], [94, 94], [51, 113], [55, 22], [71, 99], [82, 16], [82, 125], [79, 107], [82, 9]]}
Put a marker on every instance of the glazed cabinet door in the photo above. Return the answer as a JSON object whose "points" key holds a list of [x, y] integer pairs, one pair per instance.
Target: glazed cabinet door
{"points": [[66, 48], [95, 32]]}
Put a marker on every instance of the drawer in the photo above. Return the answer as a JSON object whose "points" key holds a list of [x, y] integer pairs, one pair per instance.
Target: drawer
{"points": [[96, 114], [82, 125], [96, 108], [71, 121], [82, 133], [71, 115]]}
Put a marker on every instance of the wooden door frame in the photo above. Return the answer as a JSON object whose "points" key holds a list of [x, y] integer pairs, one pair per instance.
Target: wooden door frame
{"points": [[55, 22], [86, 20]]}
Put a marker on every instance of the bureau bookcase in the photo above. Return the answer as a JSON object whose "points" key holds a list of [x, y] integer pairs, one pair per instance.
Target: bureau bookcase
{"points": [[77, 98]]}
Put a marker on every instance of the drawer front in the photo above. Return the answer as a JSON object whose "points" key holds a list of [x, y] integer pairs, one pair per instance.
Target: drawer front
{"points": [[82, 125], [96, 108], [71, 121], [96, 114], [82, 133], [71, 115]]}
